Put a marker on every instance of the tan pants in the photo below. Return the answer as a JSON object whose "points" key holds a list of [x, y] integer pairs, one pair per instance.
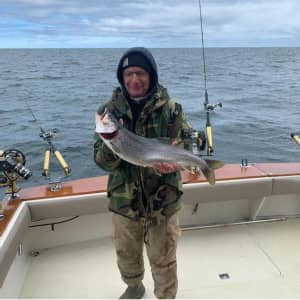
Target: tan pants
{"points": [[161, 251]]}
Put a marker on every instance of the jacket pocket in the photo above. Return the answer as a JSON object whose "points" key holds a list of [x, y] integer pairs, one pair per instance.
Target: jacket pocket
{"points": [[121, 194], [115, 180]]}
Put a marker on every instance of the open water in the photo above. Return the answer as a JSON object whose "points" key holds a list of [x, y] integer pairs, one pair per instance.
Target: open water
{"points": [[258, 87]]}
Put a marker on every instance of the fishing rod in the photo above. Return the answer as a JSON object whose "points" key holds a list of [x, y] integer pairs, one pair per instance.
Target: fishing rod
{"points": [[52, 150], [296, 138], [207, 106]]}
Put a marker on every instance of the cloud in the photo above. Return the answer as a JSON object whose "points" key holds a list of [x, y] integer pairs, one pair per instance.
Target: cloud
{"points": [[155, 23]]}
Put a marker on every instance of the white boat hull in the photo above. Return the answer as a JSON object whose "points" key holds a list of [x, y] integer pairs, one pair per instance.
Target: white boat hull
{"points": [[76, 259]]}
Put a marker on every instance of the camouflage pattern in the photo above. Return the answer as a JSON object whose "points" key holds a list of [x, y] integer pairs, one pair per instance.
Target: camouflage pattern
{"points": [[129, 186], [161, 251]]}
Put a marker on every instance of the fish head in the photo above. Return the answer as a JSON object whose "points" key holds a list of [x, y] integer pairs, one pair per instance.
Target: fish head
{"points": [[106, 124]]}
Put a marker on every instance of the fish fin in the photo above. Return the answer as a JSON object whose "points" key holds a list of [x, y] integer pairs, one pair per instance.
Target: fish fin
{"points": [[192, 170], [210, 175], [214, 164]]}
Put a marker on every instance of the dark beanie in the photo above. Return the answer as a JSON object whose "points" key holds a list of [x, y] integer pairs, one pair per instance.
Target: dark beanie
{"points": [[136, 60], [138, 57]]}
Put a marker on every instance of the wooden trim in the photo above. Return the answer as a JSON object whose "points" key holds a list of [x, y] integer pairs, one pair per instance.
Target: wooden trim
{"points": [[279, 169], [69, 188], [228, 172]]}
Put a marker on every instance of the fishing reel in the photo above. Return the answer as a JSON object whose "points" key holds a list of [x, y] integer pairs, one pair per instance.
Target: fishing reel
{"points": [[48, 135], [210, 107], [209, 134], [198, 141], [12, 168]]}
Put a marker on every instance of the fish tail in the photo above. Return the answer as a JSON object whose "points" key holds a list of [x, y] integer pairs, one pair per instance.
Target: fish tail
{"points": [[209, 172], [214, 164]]}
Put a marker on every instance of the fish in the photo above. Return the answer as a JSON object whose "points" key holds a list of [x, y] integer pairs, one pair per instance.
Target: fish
{"points": [[146, 152]]}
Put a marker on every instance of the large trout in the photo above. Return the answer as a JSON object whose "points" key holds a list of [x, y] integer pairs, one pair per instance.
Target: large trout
{"points": [[146, 152]]}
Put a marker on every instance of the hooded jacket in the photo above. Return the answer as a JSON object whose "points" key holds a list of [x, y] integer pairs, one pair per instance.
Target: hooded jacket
{"points": [[139, 192]]}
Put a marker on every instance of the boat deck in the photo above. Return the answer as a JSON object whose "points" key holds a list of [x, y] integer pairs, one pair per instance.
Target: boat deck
{"points": [[258, 260]]}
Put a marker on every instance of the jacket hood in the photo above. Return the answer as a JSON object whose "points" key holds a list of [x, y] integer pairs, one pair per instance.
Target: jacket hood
{"points": [[150, 62]]}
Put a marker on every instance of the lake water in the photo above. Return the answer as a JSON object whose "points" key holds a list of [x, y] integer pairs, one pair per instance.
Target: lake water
{"points": [[258, 87]]}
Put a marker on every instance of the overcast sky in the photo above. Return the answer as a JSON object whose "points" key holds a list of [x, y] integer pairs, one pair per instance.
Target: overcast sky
{"points": [[149, 23]]}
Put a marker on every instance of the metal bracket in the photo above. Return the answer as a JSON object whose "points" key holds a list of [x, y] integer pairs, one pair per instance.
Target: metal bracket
{"points": [[244, 163], [56, 185]]}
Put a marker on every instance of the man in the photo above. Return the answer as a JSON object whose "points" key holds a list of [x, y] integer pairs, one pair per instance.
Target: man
{"points": [[145, 201]]}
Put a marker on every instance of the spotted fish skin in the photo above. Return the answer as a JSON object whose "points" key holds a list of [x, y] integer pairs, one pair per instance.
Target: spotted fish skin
{"points": [[146, 152]]}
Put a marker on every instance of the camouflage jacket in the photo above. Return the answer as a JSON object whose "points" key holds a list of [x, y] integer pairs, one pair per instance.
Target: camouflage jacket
{"points": [[138, 192]]}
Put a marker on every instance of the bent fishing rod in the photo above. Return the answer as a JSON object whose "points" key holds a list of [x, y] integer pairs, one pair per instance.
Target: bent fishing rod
{"points": [[207, 106], [52, 150]]}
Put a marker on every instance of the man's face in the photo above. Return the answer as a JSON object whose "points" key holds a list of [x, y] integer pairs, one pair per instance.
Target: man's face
{"points": [[136, 81]]}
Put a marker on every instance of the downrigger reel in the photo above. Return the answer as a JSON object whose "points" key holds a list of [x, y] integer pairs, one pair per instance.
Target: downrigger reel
{"points": [[12, 168]]}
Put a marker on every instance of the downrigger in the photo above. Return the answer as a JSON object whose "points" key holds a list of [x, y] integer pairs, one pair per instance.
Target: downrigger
{"points": [[12, 168]]}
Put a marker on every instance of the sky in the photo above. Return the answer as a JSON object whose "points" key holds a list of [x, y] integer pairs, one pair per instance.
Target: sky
{"points": [[148, 23]]}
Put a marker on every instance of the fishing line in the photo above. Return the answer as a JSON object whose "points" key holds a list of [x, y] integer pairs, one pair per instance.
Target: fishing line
{"points": [[202, 39], [33, 116], [43, 134], [30, 110]]}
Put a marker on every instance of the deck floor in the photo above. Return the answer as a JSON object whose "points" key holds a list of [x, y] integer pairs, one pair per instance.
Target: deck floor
{"points": [[260, 260]]}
